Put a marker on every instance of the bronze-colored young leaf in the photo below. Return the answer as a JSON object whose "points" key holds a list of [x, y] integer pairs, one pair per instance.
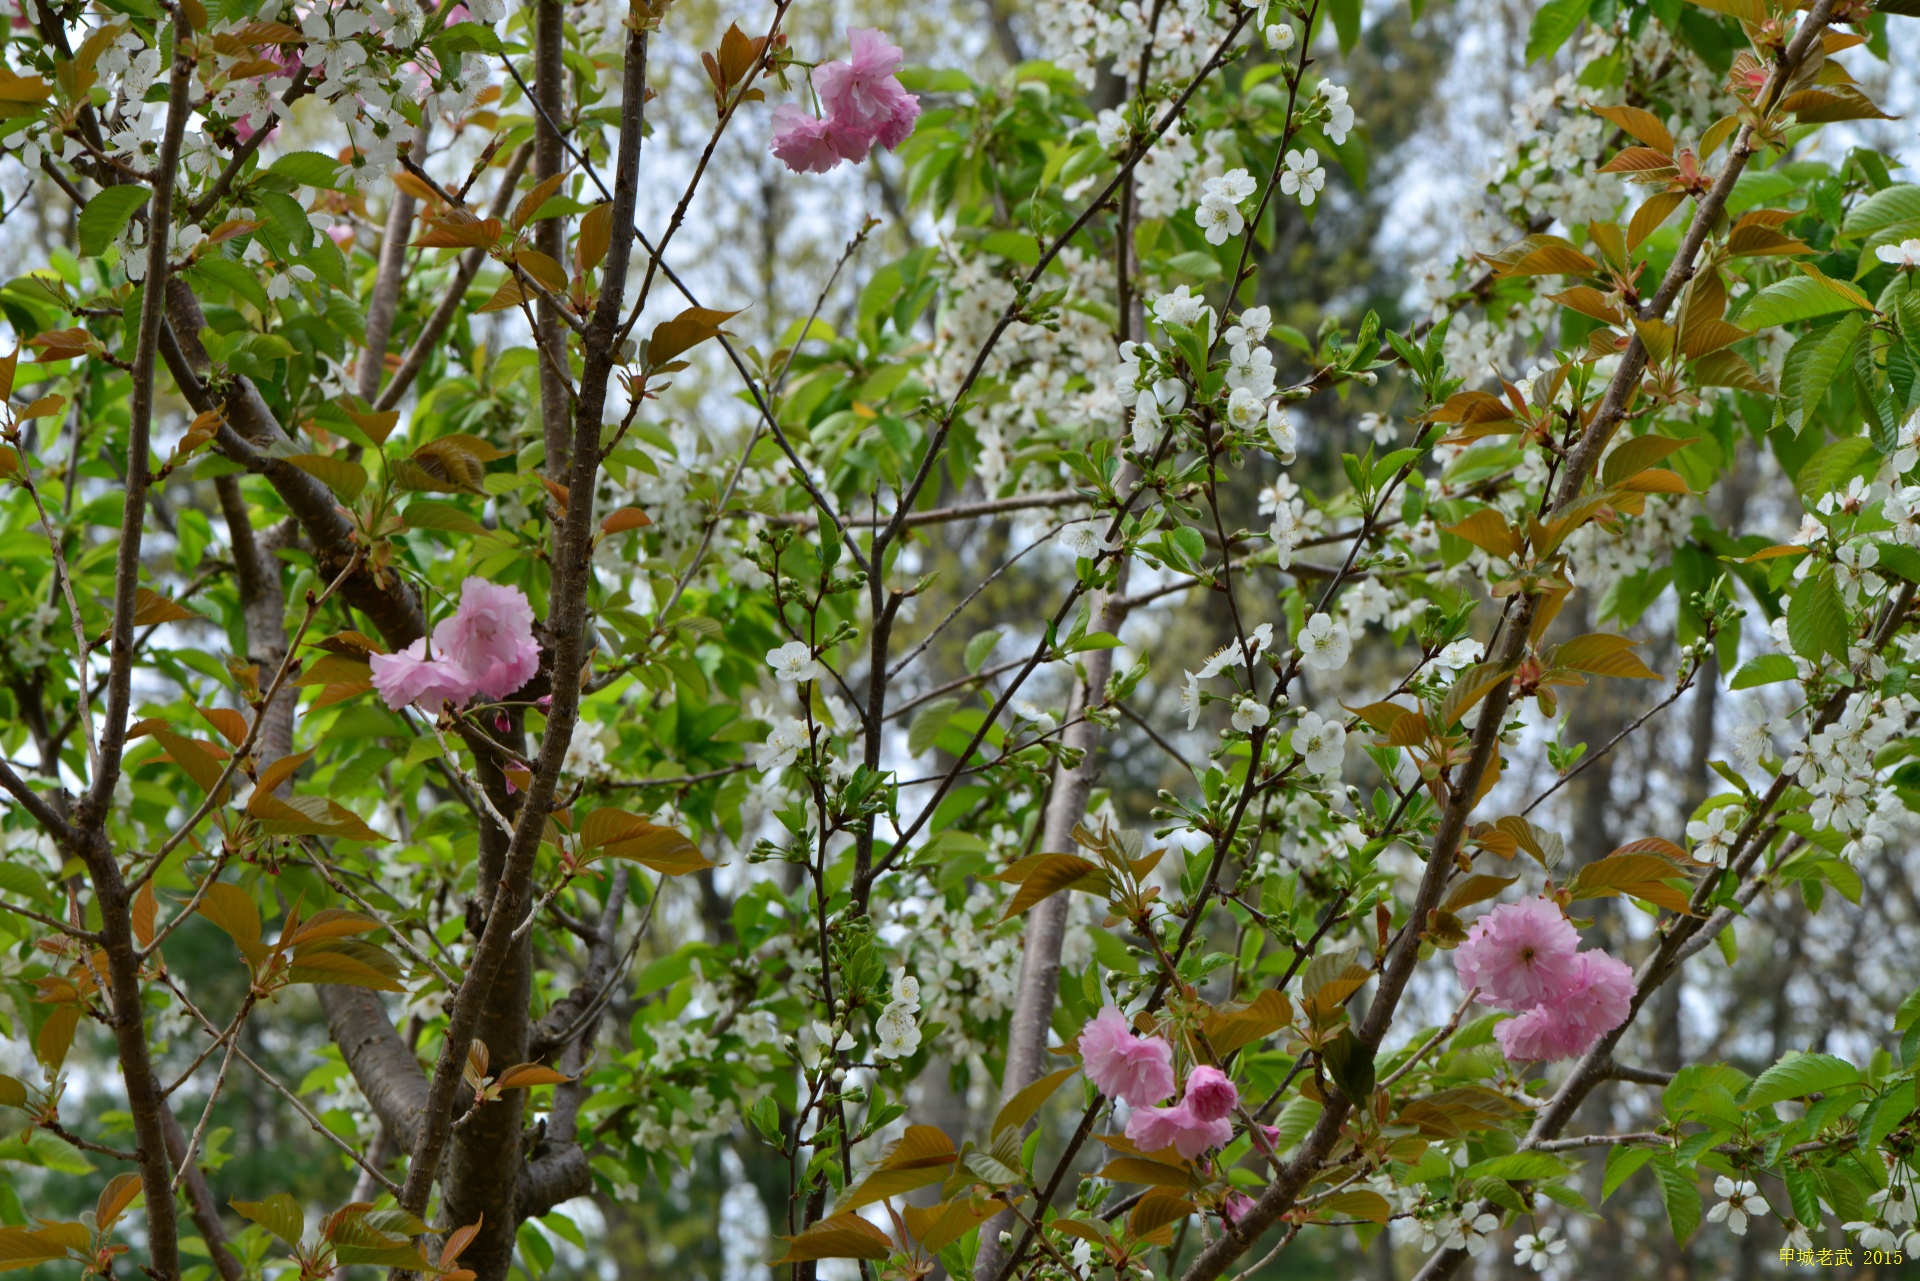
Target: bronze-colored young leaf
{"points": [[841, 1236], [1640, 124], [1019, 1109], [523, 1076], [685, 331], [1043, 875], [1600, 654], [121, 1192]]}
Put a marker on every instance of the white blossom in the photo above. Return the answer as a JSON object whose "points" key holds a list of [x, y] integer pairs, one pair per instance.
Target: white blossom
{"points": [[1712, 839], [1249, 712], [1250, 367], [1537, 1249], [1245, 410], [1254, 325], [1028, 710], [1280, 432], [1304, 177], [1219, 219], [1905, 255], [1323, 743], [1324, 644], [1339, 114], [1473, 1235], [1742, 1201], [794, 662], [783, 745], [1086, 539]]}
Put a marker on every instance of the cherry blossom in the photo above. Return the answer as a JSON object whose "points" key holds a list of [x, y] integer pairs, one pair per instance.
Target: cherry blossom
{"points": [[1303, 177], [1137, 1070]]}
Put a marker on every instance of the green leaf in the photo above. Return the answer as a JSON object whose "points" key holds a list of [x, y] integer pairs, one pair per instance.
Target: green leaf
{"points": [[980, 648], [1553, 24], [1797, 298], [1799, 1075], [287, 221], [236, 278], [1833, 465], [1519, 1165], [1767, 669], [279, 1214], [1817, 621], [1622, 1161], [1347, 15], [1909, 1012], [343, 476], [1883, 209], [928, 723], [1886, 1113], [1681, 1197], [1350, 1064], [429, 513], [107, 215], [309, 168], [1826, 357]]}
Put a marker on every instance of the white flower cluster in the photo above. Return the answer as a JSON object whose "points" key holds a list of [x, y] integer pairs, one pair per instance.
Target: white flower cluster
{"points": [[897, 1035], [1086, 36], [1836, 765], [1219, 213], [1892, 1224], [1229, 655], [1052, 376]]}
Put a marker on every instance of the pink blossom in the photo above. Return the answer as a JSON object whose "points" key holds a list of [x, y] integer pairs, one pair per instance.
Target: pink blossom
{"points": [[1210, 1095], [865, 105], [1568, 1025], [1137, 1070], [1519, 954], [803, 142], [411, 677], [863, 95], [490, 638], [1235, 1207], [1154, 1129]]}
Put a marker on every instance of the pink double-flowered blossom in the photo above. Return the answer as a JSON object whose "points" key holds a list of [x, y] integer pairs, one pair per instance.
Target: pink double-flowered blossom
{"points": [[1525, 957], [1568, 1026], [486, 648], [1519, 954], [1210, 1095], [866, 106], [1154, 1129], [802, 142], [864, 95], [490, 637], [1137, 1070], [1200, 1121], [411, 677]]}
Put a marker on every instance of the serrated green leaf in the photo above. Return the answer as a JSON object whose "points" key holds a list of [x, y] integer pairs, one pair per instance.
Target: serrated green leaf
{"points": [[1622, 1161], [107, 215], [1796, 298], [1553, 25], [309, 168], [1817, 622], [1767, 669], [1799, 1075], [1680, 1195], [927, 724]]}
